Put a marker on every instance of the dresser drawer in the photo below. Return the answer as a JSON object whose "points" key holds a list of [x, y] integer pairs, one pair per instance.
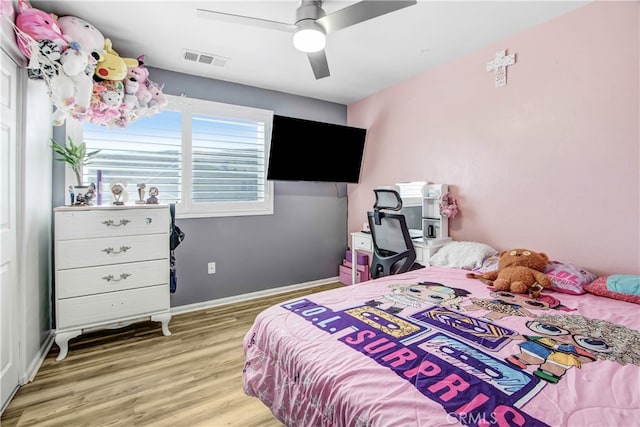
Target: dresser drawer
{"points": [[111, 278], [95, 309], [362, 243], [83, 224], [115, 250]]}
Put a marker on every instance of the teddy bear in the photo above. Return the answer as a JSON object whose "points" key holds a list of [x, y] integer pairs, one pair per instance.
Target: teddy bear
{"points": [[520, 271]]}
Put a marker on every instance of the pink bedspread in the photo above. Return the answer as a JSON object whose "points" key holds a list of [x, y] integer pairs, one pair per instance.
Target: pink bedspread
{"points": [[434, 348]]}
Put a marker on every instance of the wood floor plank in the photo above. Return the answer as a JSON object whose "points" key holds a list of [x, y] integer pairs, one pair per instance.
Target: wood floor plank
{"points": [[135, 376]]}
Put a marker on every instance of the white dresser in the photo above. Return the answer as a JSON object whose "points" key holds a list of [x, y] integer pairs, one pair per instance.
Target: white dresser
{"points": [[112, 268]]}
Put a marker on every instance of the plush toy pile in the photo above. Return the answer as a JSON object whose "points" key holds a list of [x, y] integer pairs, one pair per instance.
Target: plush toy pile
{"points": [[87, 79], [519, 271]]}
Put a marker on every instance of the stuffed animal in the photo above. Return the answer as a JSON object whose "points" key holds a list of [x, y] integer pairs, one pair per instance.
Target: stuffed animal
{"points": [[47, 59], [70, 89], [111, 66], [6, 9], [448, 206], [82, 32], [130, 101], [520, 271], [158, 100], [34, 25], [105, 102], [139, 72], [88, 37], [113, 95]]}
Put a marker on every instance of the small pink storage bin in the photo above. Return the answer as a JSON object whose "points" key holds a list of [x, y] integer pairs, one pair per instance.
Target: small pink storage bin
{"points": [[361, 274], [363, 259]]}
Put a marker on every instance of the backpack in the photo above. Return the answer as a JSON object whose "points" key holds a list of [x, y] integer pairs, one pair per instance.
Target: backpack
{"points": [[176, 237]]}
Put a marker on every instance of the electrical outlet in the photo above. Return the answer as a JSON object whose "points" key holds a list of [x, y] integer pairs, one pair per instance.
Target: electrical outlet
{"points": [[211, 267]]}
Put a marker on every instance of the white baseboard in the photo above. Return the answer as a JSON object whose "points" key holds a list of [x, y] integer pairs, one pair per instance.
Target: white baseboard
{"points": [[38, 359], [252, 295], [47, 343]]}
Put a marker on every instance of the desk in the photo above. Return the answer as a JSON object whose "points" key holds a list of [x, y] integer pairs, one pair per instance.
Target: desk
{"points": [[361, 241]]}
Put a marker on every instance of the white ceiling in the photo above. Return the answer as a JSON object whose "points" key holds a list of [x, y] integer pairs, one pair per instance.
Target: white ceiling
{"points": [[363, 59]]}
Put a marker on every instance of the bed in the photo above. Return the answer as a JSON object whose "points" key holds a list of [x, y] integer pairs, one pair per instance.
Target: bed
{"points": [[432, 347]]}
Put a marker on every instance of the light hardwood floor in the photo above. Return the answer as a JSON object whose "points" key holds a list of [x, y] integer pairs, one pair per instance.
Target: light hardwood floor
{"points": [[134, 376]]}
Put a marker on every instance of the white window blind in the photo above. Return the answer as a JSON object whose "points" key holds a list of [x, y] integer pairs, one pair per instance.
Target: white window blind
{"points": [[148, 151], [228, 159], [208, 158]]}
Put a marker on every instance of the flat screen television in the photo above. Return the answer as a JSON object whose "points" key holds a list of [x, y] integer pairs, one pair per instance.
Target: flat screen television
{"points": [[306, 150]]}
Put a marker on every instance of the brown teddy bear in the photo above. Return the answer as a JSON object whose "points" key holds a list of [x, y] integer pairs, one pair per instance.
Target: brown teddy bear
{"points": [[520, 271]]}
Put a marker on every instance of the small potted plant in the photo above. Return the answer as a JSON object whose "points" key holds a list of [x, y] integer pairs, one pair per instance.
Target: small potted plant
{"points": [[76, 156]]}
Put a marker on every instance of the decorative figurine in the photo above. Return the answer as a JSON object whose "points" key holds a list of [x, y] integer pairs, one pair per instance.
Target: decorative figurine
{"points": [[141, 188], [153, 196], [72, 196], [89, 195], [117, 190], [83, 195]]}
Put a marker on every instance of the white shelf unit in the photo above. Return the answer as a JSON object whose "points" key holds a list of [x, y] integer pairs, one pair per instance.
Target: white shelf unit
{"points": [[434, 225]]}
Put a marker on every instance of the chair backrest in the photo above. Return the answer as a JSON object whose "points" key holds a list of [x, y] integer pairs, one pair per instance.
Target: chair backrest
{"points": [[393, 250]]}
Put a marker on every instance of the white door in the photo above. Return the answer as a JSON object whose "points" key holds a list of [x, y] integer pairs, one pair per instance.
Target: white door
{"points": [[9, 371]]}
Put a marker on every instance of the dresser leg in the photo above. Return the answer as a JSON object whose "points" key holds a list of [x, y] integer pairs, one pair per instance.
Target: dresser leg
{"points": [[62, 339], [164, 318]]}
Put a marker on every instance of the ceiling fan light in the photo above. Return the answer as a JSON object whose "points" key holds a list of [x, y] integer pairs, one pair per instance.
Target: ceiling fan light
{"points": [[309, 37]]}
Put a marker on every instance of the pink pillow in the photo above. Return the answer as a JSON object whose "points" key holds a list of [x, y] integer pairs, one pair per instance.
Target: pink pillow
{"points": [[568, 278], [599, 287]]}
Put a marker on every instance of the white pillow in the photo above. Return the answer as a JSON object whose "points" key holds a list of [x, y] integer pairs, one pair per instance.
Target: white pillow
{"points": [[467, 255]]}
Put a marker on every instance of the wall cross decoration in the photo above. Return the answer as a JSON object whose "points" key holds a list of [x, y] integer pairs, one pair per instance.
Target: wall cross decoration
{"points": [[499, 64]]}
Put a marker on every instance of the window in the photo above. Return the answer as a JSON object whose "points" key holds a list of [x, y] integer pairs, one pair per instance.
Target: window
{"points": [[208, 158]]}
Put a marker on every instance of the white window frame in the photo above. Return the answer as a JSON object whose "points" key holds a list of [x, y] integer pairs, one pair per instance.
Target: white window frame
{"points": [[188, 106]]}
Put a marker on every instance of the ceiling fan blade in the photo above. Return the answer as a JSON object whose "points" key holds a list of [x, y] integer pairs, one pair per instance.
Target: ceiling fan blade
{"points": [[360, 12], [319, 64], [245, 20]]}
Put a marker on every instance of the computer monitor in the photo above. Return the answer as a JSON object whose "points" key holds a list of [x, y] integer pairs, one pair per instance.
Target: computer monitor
{"points": [[413, 217]]}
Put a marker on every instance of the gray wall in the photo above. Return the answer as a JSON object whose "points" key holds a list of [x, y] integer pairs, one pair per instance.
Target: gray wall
{"points": [[304, 240]]}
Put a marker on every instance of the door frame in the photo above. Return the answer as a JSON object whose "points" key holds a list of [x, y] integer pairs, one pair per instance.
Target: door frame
{"points": [[19, 297]]}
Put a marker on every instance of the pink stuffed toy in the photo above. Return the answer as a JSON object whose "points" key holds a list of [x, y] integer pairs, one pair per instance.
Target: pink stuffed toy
{"points": [[80, 31], [141, 75], [448, 206], [158, 100], [105, 102], [139, 72], [87, 38], [6, 9], [35, 25]]}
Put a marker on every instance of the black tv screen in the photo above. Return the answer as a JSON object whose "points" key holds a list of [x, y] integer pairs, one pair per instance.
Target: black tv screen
{"points": [[306, 150]]}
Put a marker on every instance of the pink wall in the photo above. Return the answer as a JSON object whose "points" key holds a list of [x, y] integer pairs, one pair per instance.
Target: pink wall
{"points": [[549, 162]]}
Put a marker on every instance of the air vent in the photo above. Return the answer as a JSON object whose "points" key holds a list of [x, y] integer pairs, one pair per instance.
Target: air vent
{"points": [[204, 58]]}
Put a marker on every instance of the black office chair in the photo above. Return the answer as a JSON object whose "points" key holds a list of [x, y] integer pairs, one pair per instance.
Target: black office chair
{"points": [[393, 250]]}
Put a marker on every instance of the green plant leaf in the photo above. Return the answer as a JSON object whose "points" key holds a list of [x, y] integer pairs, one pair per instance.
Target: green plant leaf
{"points": [[75, 155]]}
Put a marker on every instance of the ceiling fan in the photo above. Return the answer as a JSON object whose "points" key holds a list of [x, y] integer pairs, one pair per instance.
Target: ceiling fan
{"points": [[312, 25]]}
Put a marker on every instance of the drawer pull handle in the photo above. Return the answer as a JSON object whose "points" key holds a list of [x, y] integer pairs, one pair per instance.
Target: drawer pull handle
{"points": [[110, 277], [112, 251], [110, 223]]}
